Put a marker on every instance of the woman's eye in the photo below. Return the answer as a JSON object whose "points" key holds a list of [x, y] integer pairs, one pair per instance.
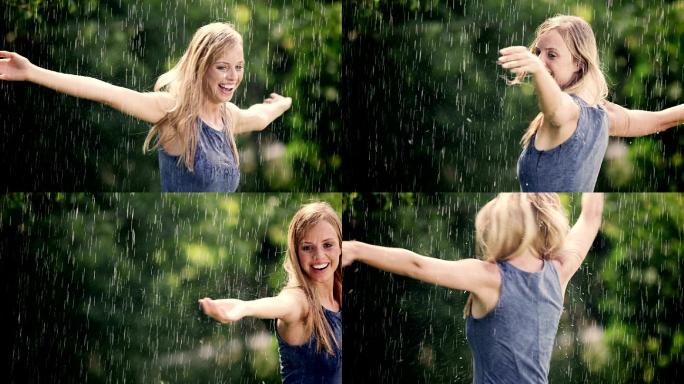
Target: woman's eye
{"points": [[537, 51], [239, 67], [327, 245]]}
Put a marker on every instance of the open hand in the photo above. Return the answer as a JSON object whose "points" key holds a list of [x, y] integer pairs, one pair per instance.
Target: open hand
{"points": [[223, 311], [519, 59], [13, 66], [276, 98]]}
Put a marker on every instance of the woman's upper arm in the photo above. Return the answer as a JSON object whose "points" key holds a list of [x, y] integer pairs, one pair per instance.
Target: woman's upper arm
{"points": [[576, 245], [465, 274], [293, 305], [566, 114], [633, 123], [239, 118], [149, 106]]}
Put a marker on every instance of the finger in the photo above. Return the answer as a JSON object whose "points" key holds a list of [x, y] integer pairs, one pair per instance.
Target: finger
{"points": [[274, 95], [508, 50], [7, 54], [514, 56]]}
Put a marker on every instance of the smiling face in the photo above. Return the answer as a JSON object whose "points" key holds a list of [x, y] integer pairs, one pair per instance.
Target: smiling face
{"points": [[225, 74], [319, 252], [554, 53]]}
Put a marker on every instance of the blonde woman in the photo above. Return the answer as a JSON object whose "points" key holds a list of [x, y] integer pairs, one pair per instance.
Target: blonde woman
{"points": [[529, 254], [565, 144], [308, 311], [193, 120]]}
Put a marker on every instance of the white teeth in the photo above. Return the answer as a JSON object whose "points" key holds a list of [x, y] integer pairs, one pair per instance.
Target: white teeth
{"points": [[320, 266]]}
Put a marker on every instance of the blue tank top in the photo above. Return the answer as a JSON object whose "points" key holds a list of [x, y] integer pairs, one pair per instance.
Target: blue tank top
{"points": [[300, 364], [574, 165], [513, 343], [215, 168]]}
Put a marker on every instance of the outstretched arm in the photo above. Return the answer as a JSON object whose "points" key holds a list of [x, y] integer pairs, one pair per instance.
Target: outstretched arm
{"points": [[634, 123], [150, 107], [581, 236], [557, 106], [288, 305], [259, 116], [466, 274]]}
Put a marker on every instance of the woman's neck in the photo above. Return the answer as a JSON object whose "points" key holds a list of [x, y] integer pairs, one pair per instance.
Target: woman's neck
{"points": [[528, 261], [210, 113], [326, 295]]}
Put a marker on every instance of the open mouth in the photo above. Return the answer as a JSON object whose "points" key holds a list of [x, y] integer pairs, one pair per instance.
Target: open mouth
{"points": [[320, 267], [226, 88]]}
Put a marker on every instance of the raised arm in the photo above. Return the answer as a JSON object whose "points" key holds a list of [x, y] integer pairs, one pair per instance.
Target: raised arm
{"points": [[467, 274], [289, 306], [150, 107], [558, 108], [634, 123], [581, 236], [259, 116]]}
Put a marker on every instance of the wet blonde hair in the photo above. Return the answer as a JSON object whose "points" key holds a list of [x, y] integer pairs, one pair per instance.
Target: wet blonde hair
{"points": [[306, 218], [187, 83], [514, 223], [581, 42]]}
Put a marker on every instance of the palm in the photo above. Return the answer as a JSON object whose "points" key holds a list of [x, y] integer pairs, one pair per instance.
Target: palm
{"points": [[225, 311]]}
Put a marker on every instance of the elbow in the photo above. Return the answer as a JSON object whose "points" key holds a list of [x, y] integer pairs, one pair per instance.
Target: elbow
{"points": [[415, 266]]}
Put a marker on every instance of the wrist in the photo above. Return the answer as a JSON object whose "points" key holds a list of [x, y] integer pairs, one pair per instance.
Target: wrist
{"points": [[31, 72]]}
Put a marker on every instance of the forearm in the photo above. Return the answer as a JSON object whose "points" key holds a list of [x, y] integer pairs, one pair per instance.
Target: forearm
{"points": [[265, 113], [267, 308], [73, 85], [395, 260], [671, 117]]}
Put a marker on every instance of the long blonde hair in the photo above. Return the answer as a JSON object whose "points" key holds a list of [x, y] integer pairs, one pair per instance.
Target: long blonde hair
{"points": [[581, 42], [186, 82], [514, 223], [307, 217]]}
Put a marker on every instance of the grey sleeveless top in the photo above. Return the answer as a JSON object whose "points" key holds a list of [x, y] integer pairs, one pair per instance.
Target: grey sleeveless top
{"points": [[574, 165], [513, 342], [301, 364], [215, 169]]}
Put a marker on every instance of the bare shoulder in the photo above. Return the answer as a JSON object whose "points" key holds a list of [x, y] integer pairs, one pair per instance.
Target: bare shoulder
{"points": [[295, 296], [165, 100], [492, 272], [487, 273]]}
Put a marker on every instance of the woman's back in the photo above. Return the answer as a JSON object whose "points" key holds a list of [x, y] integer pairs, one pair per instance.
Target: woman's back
{"points": [[513, 342]]}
